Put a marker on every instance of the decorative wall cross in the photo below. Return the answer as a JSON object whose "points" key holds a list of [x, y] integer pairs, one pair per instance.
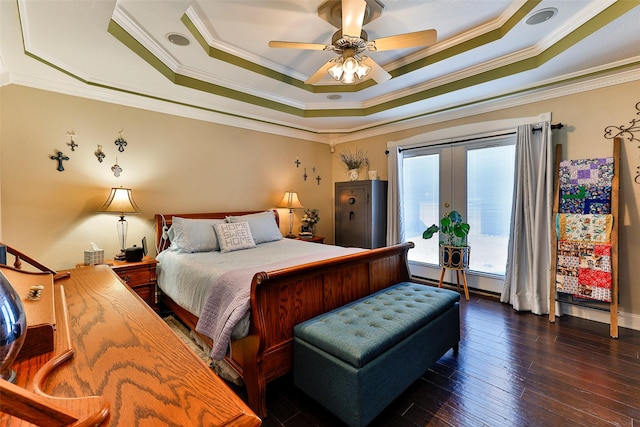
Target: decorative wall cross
{"points": [[116, 169], [318, 179], [100, 154], [72, 144], [627, 132], [120, 142], [60, 157]]}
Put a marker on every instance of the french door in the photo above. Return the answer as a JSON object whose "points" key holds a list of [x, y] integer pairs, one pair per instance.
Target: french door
{"points": [[474, 178]]}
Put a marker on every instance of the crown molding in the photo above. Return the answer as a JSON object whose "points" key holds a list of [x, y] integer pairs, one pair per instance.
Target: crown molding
{"points": [[571, 84]]}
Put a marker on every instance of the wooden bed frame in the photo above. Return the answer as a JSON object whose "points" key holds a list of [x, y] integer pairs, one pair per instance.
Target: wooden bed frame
{"points": [[283, 298]]}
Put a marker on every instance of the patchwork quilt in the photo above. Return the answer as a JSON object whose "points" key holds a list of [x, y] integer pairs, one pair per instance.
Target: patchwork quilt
{"points": [[584, 227], [584, 270], [585, 186], [594, 228]]}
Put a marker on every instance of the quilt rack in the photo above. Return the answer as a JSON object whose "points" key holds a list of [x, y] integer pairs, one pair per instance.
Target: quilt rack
{"points": [[605, 298]]}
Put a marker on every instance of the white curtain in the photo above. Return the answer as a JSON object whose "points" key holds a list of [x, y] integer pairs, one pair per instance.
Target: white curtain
{"points": [[394, 207], [526, 285]]}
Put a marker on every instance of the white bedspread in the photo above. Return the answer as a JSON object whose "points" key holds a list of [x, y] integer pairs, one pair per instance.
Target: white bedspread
{"points": [[223, 281]]}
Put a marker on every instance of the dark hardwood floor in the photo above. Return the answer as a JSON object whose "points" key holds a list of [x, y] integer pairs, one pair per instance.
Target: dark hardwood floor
{"points": [[513, 369]]}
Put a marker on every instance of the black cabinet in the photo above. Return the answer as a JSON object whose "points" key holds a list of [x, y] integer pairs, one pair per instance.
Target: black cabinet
{"points": [[361, 214]]}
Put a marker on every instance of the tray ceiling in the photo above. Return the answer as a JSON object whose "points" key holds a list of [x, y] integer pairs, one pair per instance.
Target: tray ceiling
{"points": [[121, 51]]}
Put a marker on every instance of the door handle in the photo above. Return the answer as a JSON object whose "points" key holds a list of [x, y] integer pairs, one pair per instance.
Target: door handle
{"points": [[351, 215]]}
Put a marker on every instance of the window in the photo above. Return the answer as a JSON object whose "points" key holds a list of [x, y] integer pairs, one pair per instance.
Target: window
{"points": [[474, 178]]}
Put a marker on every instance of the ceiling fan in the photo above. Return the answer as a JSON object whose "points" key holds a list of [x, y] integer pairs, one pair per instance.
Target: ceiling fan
{"points": [[350, 42]]}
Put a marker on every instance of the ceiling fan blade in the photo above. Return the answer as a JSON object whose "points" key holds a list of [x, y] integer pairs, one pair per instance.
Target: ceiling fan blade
{"points": [[320, 74], [401, 41], [377, 73], [300, 45], [352, 17]]}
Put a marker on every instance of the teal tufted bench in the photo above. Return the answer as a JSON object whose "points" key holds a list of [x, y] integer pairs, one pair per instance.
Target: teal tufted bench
{"points": [[356, 359]]}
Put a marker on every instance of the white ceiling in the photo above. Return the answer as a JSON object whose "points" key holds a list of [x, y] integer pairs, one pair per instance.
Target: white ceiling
{"points": [[118, 51]]}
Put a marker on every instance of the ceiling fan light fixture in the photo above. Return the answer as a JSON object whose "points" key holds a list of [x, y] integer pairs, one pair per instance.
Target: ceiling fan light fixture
{"points": [[347, 70], [349, 78], [362, 70], [336, 71], [350, 65]]}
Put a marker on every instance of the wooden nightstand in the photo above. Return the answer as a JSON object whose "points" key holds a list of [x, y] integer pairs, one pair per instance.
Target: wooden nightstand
{"points": [[314, 239], [139, 276]]}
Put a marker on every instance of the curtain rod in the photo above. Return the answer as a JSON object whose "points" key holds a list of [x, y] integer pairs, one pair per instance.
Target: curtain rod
{"points": [[537, 129]]}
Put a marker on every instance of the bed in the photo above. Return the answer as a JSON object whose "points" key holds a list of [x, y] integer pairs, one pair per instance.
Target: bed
{"points": [[280, 295]]}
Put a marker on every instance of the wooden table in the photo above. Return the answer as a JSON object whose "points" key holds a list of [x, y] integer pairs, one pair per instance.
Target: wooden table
{"points": [[126, 354]]}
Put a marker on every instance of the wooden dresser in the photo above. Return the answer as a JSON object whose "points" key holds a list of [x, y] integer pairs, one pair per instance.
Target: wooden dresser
{"points": [[126, 354], [139, 276]]}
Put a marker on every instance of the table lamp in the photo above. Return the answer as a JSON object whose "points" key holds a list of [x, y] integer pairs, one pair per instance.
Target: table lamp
{"points": [[120, 201], [290, 201]]}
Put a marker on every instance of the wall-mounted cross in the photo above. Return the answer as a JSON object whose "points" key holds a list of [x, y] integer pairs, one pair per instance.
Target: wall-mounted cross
{"points": [[100, 154], [318, 179], [297, 162], [72, 144], [305, 174], [121, 143], [60, 157]]}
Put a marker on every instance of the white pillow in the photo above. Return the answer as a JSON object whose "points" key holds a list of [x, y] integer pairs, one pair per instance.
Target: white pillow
{"points": [[263, 226], [194, 235], [234, 236]]}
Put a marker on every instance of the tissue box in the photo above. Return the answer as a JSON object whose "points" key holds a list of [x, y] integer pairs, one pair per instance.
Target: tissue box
{"points": [[94, 257]]}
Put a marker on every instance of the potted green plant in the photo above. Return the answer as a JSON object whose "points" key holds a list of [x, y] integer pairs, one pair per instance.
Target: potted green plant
{"points": [[354, 161], [454, 251]]}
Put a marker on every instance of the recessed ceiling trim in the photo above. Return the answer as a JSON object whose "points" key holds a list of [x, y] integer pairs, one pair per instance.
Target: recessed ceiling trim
{"points": [[609, 14], [496, 24], [463, 43], [238, 61], [195, 21], [128, 24]]}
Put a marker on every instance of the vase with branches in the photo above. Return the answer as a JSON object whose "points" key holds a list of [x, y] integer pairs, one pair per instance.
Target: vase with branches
{"points": [[354, 161]]}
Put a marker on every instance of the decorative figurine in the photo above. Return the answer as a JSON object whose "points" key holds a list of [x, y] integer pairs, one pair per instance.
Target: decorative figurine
{"points": [[60, 157]]}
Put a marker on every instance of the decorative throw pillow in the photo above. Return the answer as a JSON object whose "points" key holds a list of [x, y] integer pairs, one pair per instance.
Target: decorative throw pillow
{"points": [[194, 235], [234, 236], [263, 226]]}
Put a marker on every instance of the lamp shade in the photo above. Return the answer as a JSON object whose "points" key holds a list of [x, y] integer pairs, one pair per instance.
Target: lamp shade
{"points": [[290, 201], [120, 201]]}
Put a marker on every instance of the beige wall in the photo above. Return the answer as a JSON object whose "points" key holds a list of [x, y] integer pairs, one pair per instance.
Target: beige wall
{"points": [[172, 164], [177, 164], [585, 116]]}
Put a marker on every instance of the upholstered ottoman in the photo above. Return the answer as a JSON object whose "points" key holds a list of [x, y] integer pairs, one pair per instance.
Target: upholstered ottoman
{"points": [[358, 358]]}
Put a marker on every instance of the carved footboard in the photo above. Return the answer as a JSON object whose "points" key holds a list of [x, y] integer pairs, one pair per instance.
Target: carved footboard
{"points": [[283, 298]]}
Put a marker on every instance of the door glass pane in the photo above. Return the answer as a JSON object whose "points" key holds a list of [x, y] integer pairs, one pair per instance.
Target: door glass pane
{"points": [[421, 177], [490, 174]]}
